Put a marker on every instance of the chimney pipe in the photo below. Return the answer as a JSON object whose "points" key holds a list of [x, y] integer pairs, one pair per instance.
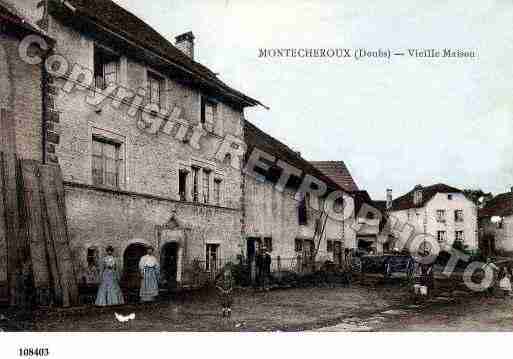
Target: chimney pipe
{"points": [[185, 43], [389, 198]]}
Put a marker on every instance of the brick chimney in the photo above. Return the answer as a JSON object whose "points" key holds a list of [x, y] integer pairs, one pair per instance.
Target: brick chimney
{"points": [[389, 198], [185, 43]]}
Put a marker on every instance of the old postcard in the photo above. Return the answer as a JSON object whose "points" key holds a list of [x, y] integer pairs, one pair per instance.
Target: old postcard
{"points": [[240, 166]]}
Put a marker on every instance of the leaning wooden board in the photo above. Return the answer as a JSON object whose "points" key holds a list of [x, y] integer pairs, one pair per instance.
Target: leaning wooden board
{"points": [[35, 219], [13, 237], [4, 297], [58, 234]]}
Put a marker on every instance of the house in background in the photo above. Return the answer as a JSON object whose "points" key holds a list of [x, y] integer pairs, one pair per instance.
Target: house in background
{"points": [[292, 228], [496, 225], [441, 211], [369, 237]]}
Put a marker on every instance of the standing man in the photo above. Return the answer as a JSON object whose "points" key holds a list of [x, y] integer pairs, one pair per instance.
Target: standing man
{"points": [[266, 263], [259, 264]]}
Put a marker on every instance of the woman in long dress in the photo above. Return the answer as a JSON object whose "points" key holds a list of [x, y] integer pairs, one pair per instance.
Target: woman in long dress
{"points": [[150, 271], [109, 292]]}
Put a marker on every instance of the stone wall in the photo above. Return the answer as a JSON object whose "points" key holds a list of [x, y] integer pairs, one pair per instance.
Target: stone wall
{"points": [[99, 218], [20, 95]]}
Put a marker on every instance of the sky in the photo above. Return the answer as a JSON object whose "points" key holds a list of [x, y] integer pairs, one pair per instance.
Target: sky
{"points": [[395, 123]]}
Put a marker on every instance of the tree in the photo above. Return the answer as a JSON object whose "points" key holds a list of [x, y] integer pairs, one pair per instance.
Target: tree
{"points": [[477, 196]]}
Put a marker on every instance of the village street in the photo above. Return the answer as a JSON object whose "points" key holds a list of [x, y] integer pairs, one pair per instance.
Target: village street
{"points": [[371, 307]]}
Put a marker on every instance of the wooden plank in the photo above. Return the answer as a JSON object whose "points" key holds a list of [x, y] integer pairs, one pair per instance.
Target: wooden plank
{"points": [[58, 233], [36, 231], [4, 292], [49, 208], [12, 225], [70, 269]]}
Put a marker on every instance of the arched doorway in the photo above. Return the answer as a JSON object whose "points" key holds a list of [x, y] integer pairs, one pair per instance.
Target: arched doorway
{"points": [[169, 265], [131, 280]]}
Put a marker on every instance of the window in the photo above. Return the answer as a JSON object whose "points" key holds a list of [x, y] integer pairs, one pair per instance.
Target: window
{"points": [[458, 215], [298, 245], [440, 215], [217, 192], [107, 164], [208, 113], [92, 257], [449, 197], [206, 186], [329, 246], [302, 211], [441, 236], [338, 206], [195, 184], [211, 257], [268, 243], [106, 67], [155, 88], [182, 185], [458, 236]]}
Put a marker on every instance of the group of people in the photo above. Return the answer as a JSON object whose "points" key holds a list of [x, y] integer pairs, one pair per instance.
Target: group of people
{"points": [[109, 291]]}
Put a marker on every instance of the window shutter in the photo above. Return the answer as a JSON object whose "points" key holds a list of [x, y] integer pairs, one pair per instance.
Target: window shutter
{"points": [[202, 109]]}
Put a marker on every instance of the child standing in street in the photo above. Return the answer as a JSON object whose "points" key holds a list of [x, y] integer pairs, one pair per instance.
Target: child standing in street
{"points": [[505, 282], [224, 287]]}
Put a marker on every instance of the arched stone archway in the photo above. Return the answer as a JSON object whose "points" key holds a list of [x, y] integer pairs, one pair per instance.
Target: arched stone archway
{"points": [[172, 247], [131, 279]]}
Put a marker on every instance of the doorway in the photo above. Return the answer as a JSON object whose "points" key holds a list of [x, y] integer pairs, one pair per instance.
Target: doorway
{"points": [[131, 280], [169, 265], [252, 246]]}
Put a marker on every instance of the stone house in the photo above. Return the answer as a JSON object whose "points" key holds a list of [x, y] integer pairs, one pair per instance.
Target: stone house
{"points": [[440, 211], [496, 225], [20, 103], [370, 236], [150, 142], [291, 227]]}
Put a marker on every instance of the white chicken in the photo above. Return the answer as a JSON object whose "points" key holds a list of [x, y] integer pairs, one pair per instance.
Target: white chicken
{"points": [[123, 319]]}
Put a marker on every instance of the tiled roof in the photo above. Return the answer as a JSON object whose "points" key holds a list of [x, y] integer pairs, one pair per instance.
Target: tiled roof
{"points": [[14, 16], [338, 172], [256, 138], [120, 21], [501, 205], [380, 205], [406, 201]]}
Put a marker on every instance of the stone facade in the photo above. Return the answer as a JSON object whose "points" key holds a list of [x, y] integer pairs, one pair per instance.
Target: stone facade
{"points": [[139, 209], [271, 214], [20, 100]]}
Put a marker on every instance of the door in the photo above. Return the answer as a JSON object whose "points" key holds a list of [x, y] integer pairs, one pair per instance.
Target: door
{"points": [[131, 280], [308, 254], [212, 260], [169, 265], [253, 245], [337, 253]]}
